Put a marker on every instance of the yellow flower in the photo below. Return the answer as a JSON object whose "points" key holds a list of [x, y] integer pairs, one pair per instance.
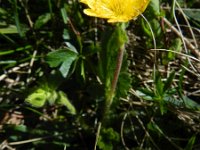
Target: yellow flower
{"points": [[115, 10]]}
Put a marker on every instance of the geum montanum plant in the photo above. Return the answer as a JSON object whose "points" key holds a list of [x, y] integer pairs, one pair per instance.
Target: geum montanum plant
{"points": [[117, 12]]}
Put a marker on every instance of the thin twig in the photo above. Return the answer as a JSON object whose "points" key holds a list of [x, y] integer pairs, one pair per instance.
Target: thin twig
{"points": [[133, 130], [4, 145], [29, 141], [27, 14], [179, 53], [146, 132], [97, 135], [193, 49], [3, 76], [168, 138], [185, 55], [121, 131], [185, 9], [181, 34], [31, 63], [153, 37], [136, 102], [189, 26]]}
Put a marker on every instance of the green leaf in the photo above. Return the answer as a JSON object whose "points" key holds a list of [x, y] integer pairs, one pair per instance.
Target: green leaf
{"points": [[55, 58], [124, 84], [169, 81], [64, 58], [151, 126], [63, 100], [42, 20], [3, 12], [8, 51], [11, 29], [193, 14], [37, 98], [17, 19], [20, 128], [155, 128], [64, 15], [66, 36], [145, 94], [190, 104], [158, 85], [8, 62], [107, 139], [176, 46], [191, 143], [70, 46], [52, 96], [181, 78], [64, 68], [154, 7], [173, 101]]}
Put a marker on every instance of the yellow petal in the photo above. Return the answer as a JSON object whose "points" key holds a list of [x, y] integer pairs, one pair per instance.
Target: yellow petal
{"points": [[115, 10]]}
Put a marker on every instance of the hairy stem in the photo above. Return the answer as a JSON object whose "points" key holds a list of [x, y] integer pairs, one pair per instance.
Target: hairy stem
{"points": [[111, 93]]}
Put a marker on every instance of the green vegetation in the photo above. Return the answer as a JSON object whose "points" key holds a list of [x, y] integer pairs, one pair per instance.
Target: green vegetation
{"points": [[56, 71]]}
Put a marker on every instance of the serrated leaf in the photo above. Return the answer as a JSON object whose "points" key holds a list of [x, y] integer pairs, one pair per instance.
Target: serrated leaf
{"points": [[55, 58], [64, 68], [37, 98], [63, 100], [107, 139], [64, 58], [124, 84]]}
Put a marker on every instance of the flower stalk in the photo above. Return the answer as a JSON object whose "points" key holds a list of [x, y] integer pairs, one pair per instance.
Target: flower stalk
{"points": [[111, 92]]}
